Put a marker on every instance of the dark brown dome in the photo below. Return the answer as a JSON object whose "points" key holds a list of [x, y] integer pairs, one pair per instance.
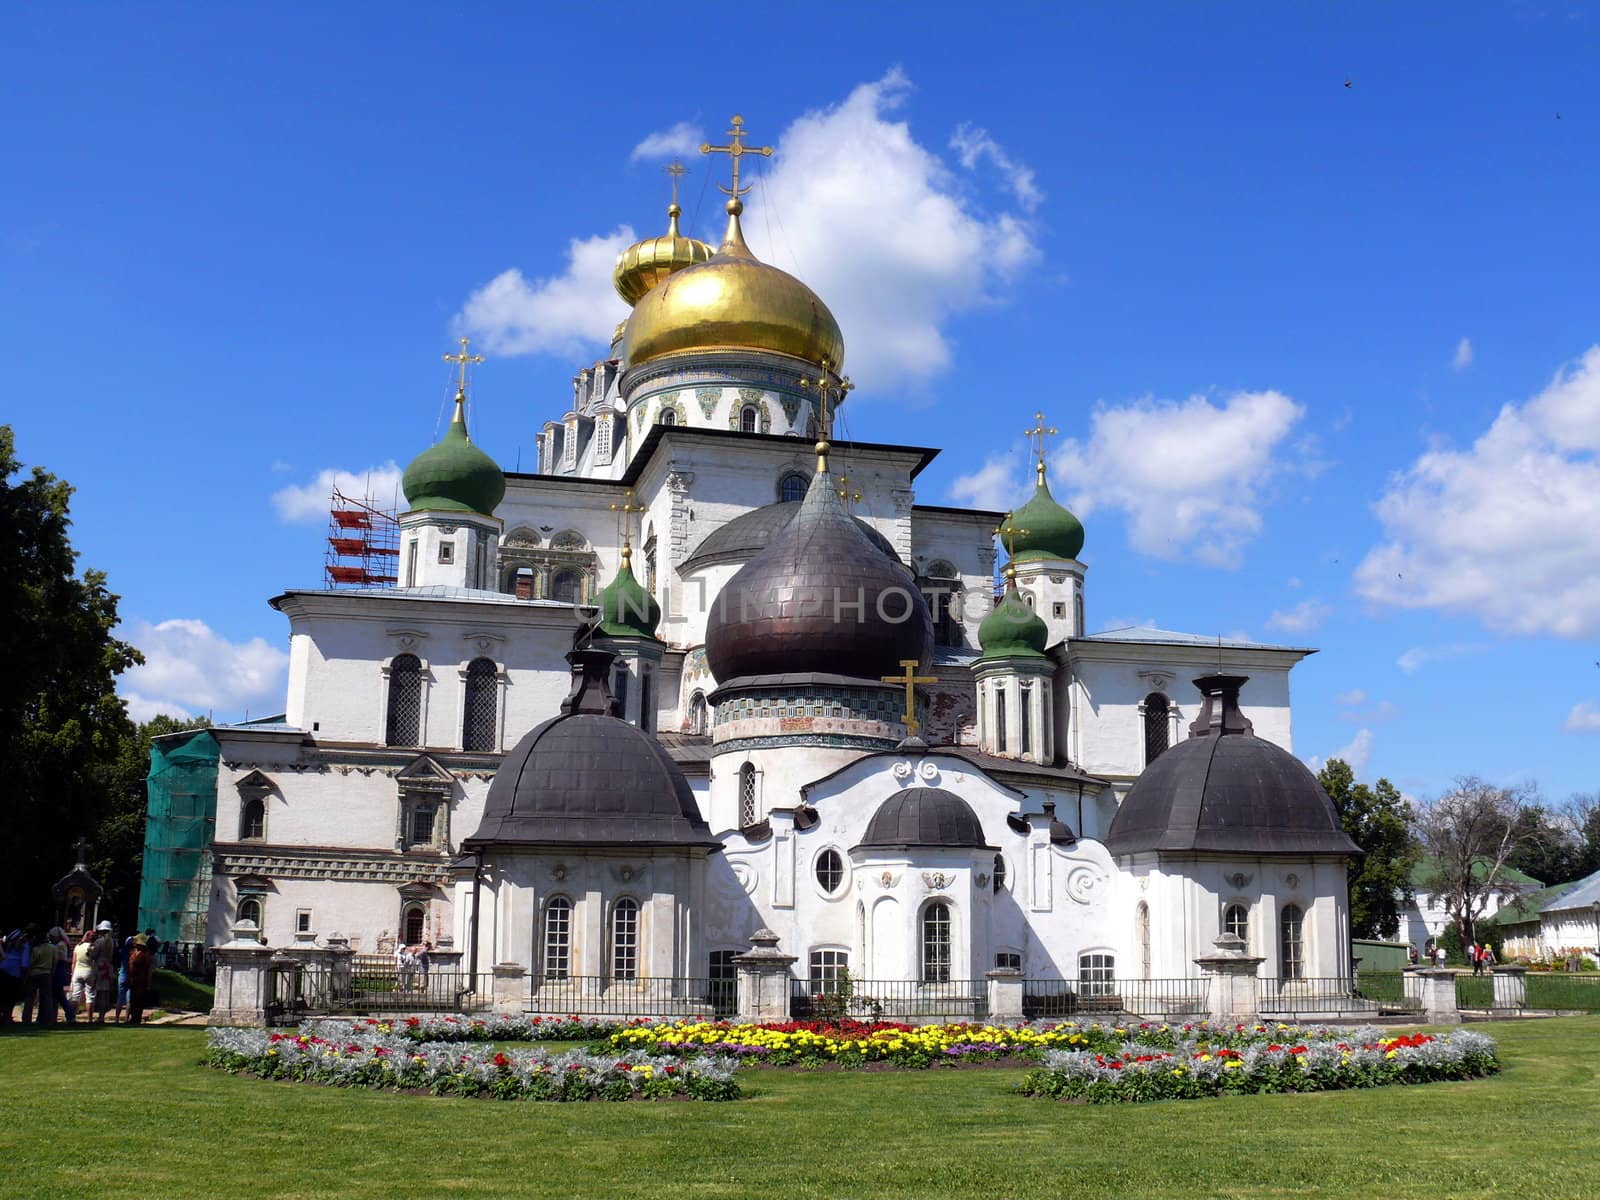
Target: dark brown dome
{"points": [[819, 597], [748, 532], [923, 817]]}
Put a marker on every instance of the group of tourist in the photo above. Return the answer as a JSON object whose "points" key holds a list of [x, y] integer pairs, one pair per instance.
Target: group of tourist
{"points": [[1481, 957], [56, 977], [411, 966]]}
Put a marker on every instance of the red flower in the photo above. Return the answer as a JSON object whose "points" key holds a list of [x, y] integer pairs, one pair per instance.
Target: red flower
{"points": [[500, 1060]]}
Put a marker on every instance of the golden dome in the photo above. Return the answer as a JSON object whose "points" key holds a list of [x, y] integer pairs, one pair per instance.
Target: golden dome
{"points": [[733, 302], [644, 264]]}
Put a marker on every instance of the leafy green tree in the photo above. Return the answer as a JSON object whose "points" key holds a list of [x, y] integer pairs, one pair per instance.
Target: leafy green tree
{"points": [[62, 725], [1549, 846], [1379, 820]]}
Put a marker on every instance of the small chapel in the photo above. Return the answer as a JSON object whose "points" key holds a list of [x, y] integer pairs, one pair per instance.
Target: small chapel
{"points": [[709, 671]]}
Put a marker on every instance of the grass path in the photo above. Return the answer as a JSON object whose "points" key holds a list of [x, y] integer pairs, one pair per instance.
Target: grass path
{"points": [[110, 1113]]}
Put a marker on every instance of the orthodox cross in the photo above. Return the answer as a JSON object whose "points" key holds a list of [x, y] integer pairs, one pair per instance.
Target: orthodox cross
{"points": [[1037, 435], [845, 494], [1008, 534], [909, 681], [677, 170], [625, 512], [462, 359], [735, 149], [831, 391]]}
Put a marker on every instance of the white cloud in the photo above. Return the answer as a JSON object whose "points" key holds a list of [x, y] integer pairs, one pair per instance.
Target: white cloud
{"points": [[1352, 698], [1188, 475], [191, 669], [1357, 754], [876, 223], [1463, 355], [682, 140], [995, 485], [1584, 717], [1302, 618], [565, 314], [307, 503], [972, 145], [1414, 659], [1503, 531]]}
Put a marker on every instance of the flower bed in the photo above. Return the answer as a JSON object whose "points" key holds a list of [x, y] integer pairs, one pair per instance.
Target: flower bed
{"points": [[1193, 1068], [362, 1056], [480, 1029]]}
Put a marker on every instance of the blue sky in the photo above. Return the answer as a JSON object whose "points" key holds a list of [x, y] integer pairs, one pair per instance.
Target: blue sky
{"points": [[1279, 320]]}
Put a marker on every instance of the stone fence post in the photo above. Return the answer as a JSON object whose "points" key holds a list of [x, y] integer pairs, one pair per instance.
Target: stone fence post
{"points": [[1511, 987], [764, 979], [510, 989], [341, 966], [1439, 1005], [241, 985], [1231, 975], [1005, 994]]}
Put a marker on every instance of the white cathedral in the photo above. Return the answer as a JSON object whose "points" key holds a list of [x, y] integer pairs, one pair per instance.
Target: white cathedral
{"points": [[618, 714]]}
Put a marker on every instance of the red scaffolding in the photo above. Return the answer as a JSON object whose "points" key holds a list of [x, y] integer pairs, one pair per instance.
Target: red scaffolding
{"points": [[363, 543]]}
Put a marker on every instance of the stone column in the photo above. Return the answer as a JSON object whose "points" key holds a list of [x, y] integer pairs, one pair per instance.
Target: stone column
{"points": [[1005, 994], [241, 985], [341, 967], [1511, 987], [1231, 980], [1438, 995], [764, 979], [510, 989]]}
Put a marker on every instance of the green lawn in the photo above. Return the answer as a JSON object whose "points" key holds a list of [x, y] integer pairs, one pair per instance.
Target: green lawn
{"points": [[110, 1112]]}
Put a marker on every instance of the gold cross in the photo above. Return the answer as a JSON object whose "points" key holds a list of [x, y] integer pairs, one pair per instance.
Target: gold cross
{"points": [[1008, 534], [625, 512], [677, 170], [463, 359], [735, 149], [1037, 435], [909, 680], [830, 388], [844, 491]]}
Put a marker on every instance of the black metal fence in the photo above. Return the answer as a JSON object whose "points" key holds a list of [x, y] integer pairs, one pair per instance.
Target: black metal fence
{"points": [[889, 1000], [596, 996], [1154, 999], [1373, 993], [298, 988]]}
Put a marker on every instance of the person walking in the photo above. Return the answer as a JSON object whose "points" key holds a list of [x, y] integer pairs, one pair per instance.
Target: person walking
{"points": [[80, 993], [103, 968], [15, 953], [141, 962], [39, 999]]}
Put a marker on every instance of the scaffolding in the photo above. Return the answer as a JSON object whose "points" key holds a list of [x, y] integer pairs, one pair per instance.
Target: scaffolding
{"points": [[181, 808], [363, 543]]}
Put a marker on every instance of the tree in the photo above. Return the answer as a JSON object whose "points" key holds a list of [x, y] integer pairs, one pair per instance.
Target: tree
{"points": [[1379, 820], [1471, 833], [62, 724], [1550, 845]]}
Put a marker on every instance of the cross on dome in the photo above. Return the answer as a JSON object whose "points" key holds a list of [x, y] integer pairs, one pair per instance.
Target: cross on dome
{"points": [[1037, 436], [462, 359], [909, 680], [735, 149], [625, 512]]}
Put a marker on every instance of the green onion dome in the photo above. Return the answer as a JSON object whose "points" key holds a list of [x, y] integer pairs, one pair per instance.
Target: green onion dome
{"points": [[1044, 528], [626, 608], [454, 475], [1012, 630]]}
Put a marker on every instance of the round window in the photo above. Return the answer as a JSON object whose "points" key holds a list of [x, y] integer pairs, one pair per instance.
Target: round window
{"points": [[830, 871]]}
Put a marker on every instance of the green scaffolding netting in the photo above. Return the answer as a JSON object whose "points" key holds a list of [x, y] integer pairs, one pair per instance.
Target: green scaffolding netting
{"points": [[175, 890]]}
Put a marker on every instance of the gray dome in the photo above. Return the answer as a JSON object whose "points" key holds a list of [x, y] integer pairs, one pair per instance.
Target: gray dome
{"points": [[589, 778], [924, 817], [741, 537], [1227, 791]]}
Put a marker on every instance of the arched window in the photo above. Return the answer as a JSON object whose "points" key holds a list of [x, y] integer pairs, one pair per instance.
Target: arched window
{"points": [[1026, 716], [478, 728], [943, 593], [567, 587], [647, 701], [936, 943], [830, 871], [557, 948], [793, 486], [1236, 921], [999, 873], [1141, 933], [405, 701], [669, 416], [619, 689], [747, 795], [999, 719], [625, 939], [411, 925], [250, 910], [1156, 708], [697, 713], [253, 820], [748, 419], [1292, 942]]}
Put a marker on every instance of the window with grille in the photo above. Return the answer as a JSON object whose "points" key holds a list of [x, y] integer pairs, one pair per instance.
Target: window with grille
{"points": [[747, 419], [829, 969], [1141, 932], [724, 989], [478, 728], [793, 487], [999, 873], [1097, 974], [302, 920], [1236, 921], [1291, 935], [253, 820], [936, 943], [411, 927], [602, 439], [405, 701], [697, 713], [557, 958], [567, 587], [1008, 960], [625, 939], [250, 910], [830, 871], [1156, 708], [1026, 716], [999, 720], [747, 796], [422, 819]]}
